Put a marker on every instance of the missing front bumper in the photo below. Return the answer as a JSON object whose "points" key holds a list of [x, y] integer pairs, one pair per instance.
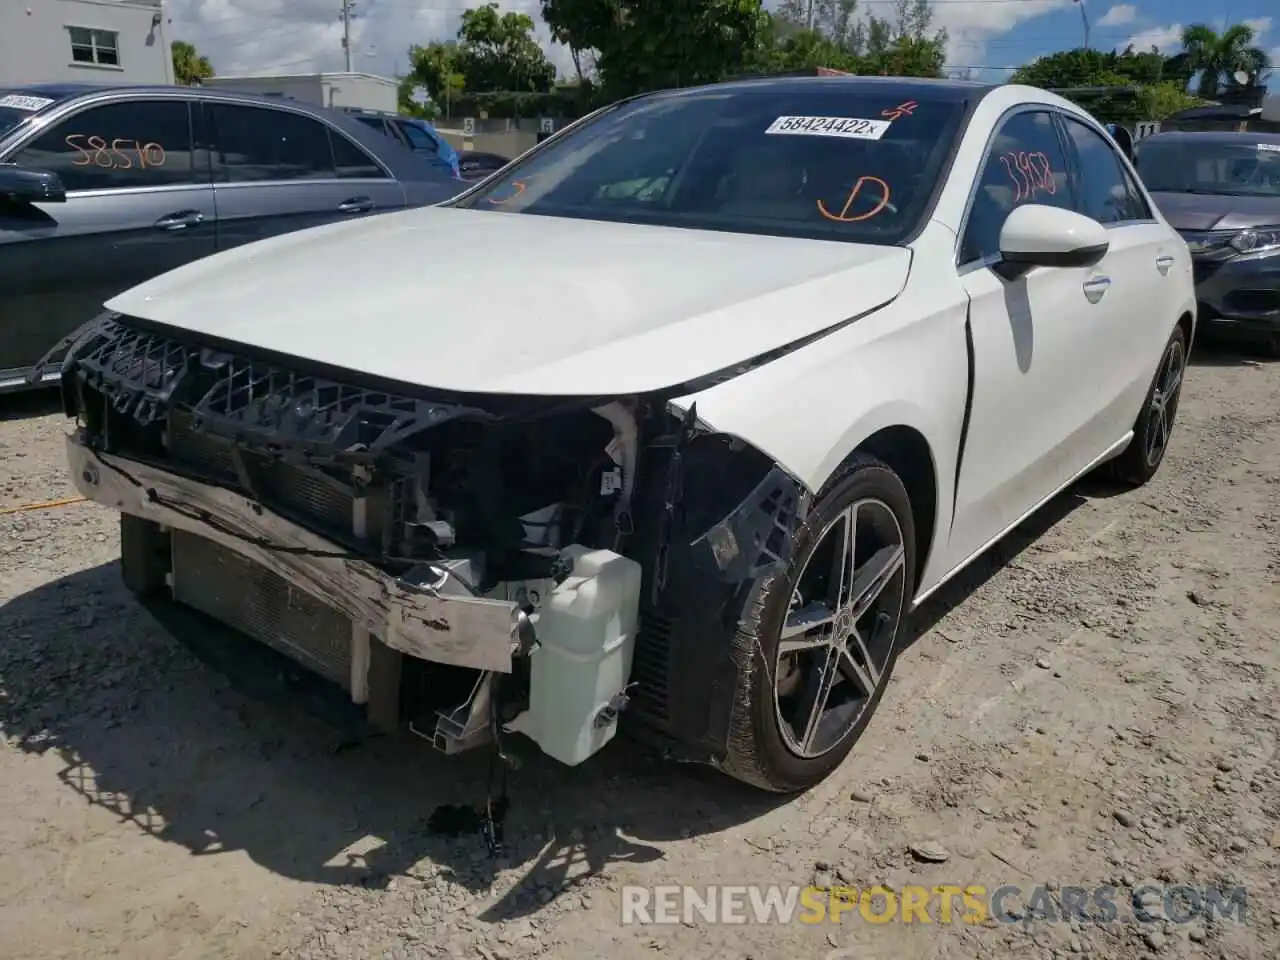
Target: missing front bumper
{"points": [[414, 614]]}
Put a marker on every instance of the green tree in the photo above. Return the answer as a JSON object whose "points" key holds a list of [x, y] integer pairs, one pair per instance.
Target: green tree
{"points": [[438, 67], [902, 45], [1161, 100], [642, 45], [1216, 56], [497, 51], [188, 65]]}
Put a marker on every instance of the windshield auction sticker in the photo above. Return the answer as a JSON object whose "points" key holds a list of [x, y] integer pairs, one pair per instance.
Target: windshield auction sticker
{"points": [[849, 128], [18, 102]]}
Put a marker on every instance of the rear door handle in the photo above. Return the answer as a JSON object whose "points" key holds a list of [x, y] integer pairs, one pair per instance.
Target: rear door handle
{"points": [[356, 205], [1095, 288], [1163, 264], [180, 220]]}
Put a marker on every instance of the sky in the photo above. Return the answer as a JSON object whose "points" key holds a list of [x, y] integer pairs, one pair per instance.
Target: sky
{"points": [[987, 36]]}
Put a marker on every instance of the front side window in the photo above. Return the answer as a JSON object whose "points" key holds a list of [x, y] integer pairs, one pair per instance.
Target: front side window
{"points": [[1104, 189], [140, 143], [101, 47], [1025, 164], [837, 161], [1240, 165]]}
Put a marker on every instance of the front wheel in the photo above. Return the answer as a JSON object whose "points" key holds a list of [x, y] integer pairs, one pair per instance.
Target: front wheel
{"points": [[817, 650], [1154, 426]]}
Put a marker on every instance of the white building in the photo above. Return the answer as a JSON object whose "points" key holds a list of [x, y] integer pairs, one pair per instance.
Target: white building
{"points": [[84, 41], [364, 90]]}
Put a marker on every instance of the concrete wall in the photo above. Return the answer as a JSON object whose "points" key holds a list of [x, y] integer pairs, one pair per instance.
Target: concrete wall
{"points": [[363, 90], [35, 45], [507, 138]]}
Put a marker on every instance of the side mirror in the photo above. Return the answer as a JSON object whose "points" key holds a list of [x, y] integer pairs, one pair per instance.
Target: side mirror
{"points": [[23, 185], [1035, 235], [1271, 108]]}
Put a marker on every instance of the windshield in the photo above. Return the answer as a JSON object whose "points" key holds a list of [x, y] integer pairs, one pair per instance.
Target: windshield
{"points": [[832, 163], [17, 107], [1239, 167]]}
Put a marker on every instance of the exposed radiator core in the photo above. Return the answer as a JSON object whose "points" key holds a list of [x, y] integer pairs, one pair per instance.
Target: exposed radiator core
{"points": [[222, 584]]}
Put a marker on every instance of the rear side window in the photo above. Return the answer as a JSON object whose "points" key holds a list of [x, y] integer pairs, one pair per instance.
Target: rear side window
{"points": [[258, 143], [137, 143], [1104, 189], [418, 138], [1025, 164], [351, 161]]}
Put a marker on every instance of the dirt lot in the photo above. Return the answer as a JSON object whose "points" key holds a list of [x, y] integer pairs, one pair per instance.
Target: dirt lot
{"points": [[1095, 703]]}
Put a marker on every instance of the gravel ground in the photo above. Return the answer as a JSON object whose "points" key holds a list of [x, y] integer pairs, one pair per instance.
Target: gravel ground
{"points": [[1095, 702]]}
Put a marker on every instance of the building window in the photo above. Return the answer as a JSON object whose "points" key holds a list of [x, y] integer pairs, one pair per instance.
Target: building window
{"points": [[100, 47]]}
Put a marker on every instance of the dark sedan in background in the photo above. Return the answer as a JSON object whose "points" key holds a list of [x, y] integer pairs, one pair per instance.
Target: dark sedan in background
{"points": [[103, 187], [1221, 191]]}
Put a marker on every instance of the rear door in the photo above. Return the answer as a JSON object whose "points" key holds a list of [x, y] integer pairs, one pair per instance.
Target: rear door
{"points": [[139, 203], [277, 170]]}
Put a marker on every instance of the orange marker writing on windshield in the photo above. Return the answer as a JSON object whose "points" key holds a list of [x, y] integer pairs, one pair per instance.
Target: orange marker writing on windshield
{"points": [[844, 217], [900, 111]]}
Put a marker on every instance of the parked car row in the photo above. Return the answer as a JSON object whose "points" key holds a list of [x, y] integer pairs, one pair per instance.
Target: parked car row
{"points": [[104, 187]]}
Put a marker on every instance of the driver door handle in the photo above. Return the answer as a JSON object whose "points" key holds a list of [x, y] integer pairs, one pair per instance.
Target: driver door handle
{"points": [[180, 220], [356, 205], [1095, 288], [1163, 264]]}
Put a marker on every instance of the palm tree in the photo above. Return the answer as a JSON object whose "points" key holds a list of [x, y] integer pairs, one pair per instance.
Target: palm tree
{"points": [[188, 65], [1217, 55]]}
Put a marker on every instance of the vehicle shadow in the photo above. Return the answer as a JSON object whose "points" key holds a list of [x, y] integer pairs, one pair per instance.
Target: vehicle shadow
{"points": [[217, 744], [24, 404], [1210, 352], [969, 580]]}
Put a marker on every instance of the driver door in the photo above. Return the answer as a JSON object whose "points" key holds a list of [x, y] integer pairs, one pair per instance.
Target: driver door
{"points": [[1036, 344], [139, 203]]}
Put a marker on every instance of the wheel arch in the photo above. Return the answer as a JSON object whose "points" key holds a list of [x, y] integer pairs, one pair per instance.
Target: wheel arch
{"points": [[907, 452]]}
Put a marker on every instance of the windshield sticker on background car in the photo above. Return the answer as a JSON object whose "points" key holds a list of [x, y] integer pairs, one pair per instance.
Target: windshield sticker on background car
{"points": [[19, 102], [901, 110], [120, 154], [1269, 147], [851, 128], [1030, 174], [879, 200]]}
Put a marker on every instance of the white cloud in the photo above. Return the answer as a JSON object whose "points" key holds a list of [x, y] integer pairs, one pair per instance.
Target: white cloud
{"points": [[1119, 15], [303, 36], [971, 25], [1260, 25], [1165, 39]]}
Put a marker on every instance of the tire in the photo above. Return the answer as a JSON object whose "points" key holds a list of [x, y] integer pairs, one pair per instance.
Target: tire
{"points": [[1138, 464], [762, 744], [144, 556]]}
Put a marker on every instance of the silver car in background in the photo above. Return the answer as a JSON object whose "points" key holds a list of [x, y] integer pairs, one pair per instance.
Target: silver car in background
{"points": [[103, 187]]}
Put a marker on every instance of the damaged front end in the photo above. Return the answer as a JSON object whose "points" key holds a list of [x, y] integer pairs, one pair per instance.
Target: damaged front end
{"points": [[465, 565]]}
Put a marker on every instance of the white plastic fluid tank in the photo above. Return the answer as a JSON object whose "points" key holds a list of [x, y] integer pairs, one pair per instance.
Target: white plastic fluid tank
{"points": [[586, 631]]}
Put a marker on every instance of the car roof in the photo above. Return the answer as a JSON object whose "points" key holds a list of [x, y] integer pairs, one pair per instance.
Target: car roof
{"points": [[892, 87], [1215, 136], [404, 163]]}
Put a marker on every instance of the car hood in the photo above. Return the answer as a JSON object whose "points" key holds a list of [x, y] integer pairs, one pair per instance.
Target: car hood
{"points": [[1198, 211], [486, 302]]}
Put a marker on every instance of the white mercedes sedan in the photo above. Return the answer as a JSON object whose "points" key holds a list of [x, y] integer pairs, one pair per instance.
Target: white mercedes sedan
{"points": [[667, 426]]}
